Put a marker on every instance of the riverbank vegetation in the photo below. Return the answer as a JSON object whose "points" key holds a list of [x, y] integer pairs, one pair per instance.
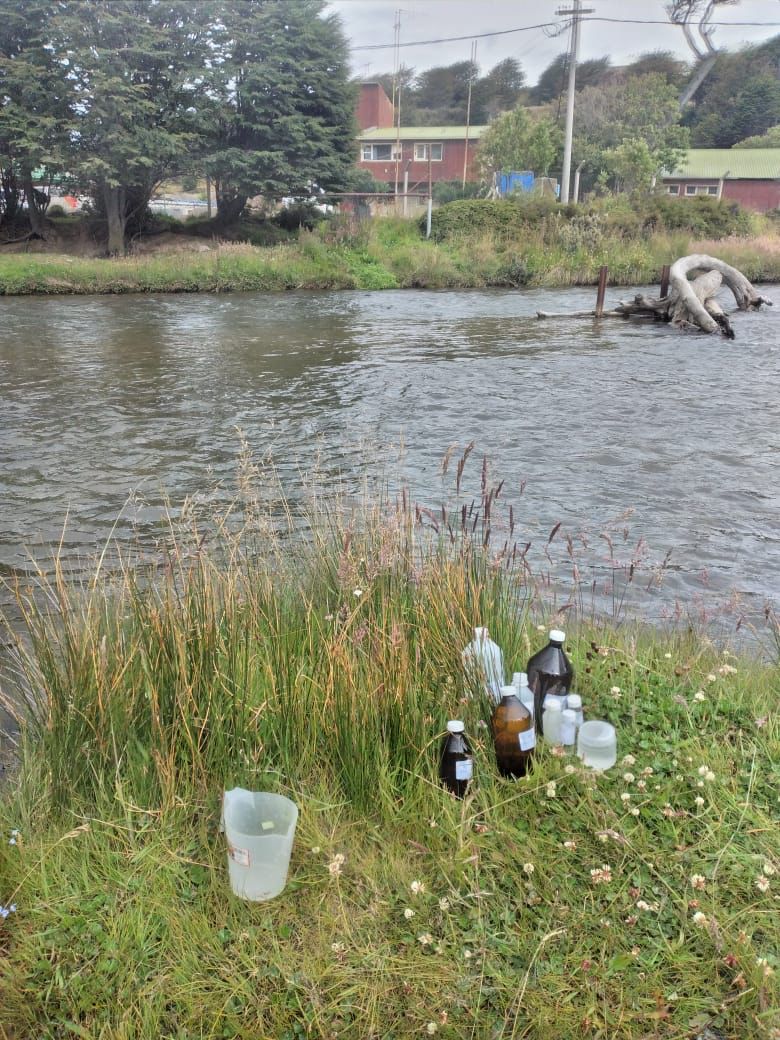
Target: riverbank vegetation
{"points": [[474, 244], [641, 902]]}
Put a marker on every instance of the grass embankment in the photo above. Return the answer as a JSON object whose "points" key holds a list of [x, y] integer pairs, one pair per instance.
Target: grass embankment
{"points": [[475, 245], [638, 903]]}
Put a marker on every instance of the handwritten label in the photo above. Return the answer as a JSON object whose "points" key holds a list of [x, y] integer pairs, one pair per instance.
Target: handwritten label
{"points": [[527, 739], [240, 856], [464, 769]]}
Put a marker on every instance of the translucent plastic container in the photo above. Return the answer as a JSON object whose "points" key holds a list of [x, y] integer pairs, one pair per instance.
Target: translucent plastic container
{"points": [[484, 663], [260, 829], [597, 744]]}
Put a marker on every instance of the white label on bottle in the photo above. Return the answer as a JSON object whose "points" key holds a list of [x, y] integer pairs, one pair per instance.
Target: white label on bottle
{"points": [[527, 739], [240, 856], [464, 769]]}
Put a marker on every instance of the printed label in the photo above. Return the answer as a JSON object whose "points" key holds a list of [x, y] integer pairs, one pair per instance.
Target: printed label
{"points": [[527, 739], [240, 856], [464, 769]]}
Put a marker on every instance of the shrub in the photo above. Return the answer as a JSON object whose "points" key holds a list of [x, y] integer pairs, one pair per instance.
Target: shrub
{"points": [[299, 215]]}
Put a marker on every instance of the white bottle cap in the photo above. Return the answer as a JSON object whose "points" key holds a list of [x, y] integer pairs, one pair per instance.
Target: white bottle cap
{"points": [[523, 679], [553, 704], [556, 635], [480, 633], [569, 715], [507, 691], [574, 700], [517, 678], [455, 726]]}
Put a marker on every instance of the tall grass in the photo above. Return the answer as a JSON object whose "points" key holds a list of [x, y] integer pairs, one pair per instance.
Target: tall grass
{"points": [[319, 655]]}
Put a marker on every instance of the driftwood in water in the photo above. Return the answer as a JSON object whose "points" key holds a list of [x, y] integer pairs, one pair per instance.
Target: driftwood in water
{"points": [[690, 303]]}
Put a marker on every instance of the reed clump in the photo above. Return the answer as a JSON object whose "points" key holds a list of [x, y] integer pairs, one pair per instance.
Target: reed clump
{"points": [[317, 652]]}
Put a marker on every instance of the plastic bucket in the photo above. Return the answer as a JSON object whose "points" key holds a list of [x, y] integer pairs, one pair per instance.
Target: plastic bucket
{"points": [[260, 829]]}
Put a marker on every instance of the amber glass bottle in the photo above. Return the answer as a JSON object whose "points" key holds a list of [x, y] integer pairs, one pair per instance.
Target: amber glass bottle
{"points": [[456, 764], [549, 671], [514, 736]]}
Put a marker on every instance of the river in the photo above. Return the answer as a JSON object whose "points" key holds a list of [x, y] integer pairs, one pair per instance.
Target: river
{"points": [[108, 404]]}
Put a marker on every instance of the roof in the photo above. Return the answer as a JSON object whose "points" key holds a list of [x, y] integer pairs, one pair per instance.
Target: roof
{"points": [[426, 133], [730, 163]]}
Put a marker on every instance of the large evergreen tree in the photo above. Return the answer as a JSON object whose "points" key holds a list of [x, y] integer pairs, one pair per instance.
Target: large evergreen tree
{"points": [[279, 111]]}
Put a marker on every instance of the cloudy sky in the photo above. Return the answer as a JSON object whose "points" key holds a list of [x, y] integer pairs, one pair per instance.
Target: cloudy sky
{"points": [[370, 22]]}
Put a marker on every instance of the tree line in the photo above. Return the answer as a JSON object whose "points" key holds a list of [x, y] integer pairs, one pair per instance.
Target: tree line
{"points": [[115, 96]]}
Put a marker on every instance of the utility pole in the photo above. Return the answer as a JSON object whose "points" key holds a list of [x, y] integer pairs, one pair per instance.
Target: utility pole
{"points": [[576, 13]]}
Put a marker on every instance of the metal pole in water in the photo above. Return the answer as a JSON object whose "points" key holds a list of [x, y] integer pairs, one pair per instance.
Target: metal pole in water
{"points": [[603, 272]]}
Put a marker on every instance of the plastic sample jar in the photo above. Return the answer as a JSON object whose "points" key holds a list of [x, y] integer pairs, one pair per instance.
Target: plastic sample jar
{"points": [[597, 744]]}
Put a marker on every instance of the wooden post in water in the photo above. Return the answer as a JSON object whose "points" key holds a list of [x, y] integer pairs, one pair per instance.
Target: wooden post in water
{"points": [[603, 272], [664, 281]]}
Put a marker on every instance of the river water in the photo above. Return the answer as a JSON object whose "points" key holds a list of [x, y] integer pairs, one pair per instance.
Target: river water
{"points": [[108, 404]]}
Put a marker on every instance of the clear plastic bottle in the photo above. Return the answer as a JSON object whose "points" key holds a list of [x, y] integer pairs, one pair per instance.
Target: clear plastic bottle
{"points": [[552, 719], [484, 663], [549, 672], [456, 765], [520, 683], [514, 735]]}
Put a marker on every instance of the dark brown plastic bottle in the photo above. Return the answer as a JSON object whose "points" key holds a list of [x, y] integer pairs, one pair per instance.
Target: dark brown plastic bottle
{"points": [[514, 736], [549, 671], [456, 764]]}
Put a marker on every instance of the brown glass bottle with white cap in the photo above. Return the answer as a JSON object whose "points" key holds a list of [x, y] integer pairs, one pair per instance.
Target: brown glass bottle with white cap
{"points": [[456, 764], [514, 736], [549, 671]]}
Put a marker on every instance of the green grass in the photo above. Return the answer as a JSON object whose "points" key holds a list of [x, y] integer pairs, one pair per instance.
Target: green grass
{"points": [[390, 254], [328, 672]]}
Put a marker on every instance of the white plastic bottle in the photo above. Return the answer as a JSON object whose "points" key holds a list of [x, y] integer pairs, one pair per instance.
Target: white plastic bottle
{"points": [[552, 719], [484, 663], [568, 728], [574, 701], [520, 682]]}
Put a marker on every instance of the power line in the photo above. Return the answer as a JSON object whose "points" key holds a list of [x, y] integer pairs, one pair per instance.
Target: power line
{"points": [[551, 25]]}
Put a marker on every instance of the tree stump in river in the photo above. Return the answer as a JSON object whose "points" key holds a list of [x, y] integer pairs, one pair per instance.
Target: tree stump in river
{"points": [[690, 303]]}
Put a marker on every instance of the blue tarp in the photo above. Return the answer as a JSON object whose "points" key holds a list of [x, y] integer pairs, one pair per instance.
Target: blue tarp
{"points": [[514, 181]]}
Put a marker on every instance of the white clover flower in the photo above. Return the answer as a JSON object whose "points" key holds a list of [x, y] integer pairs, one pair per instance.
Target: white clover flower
{"points": [[700, 695], [529, 868], [444, 904], [628, 777], [762, 883], [431, 1028], [712, 678], [769, 870], [467, 955], [698, 881], [425, 939], [315, 849], [628, 760], [12, 841], [709, 776], [338, 947], [601, 875], [14, 833], [668, 811], [570, 769], [647, 771], [668, 657], [615, 691], [625, 797], [570, 845], [635, 810], [417, 888], [703, 770], [357, 592], [727, 669], [551, 790], [641, 785], [408, 913], [335, 865], [765, 966], [699, 801], [642, 905], [700, 919]]}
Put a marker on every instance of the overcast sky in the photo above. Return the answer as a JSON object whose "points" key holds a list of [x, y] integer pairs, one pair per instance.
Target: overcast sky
{"points": [[371, 22]]}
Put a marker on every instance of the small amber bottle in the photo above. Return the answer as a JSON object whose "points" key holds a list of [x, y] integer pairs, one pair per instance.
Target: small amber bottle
{"points": [[514, 736]]}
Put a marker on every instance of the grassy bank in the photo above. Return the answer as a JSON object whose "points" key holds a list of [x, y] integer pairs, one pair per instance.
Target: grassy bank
{"points": [[392, 254], [638, 903]]}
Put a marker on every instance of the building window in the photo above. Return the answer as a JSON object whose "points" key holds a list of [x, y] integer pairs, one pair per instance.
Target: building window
{"points": [[673, 189], [378, 152], [424, 152], [701, 189]]}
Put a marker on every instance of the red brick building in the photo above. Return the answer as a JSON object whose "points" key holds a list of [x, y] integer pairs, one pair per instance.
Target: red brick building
{"points": [[415, 155], [749, 176]]}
